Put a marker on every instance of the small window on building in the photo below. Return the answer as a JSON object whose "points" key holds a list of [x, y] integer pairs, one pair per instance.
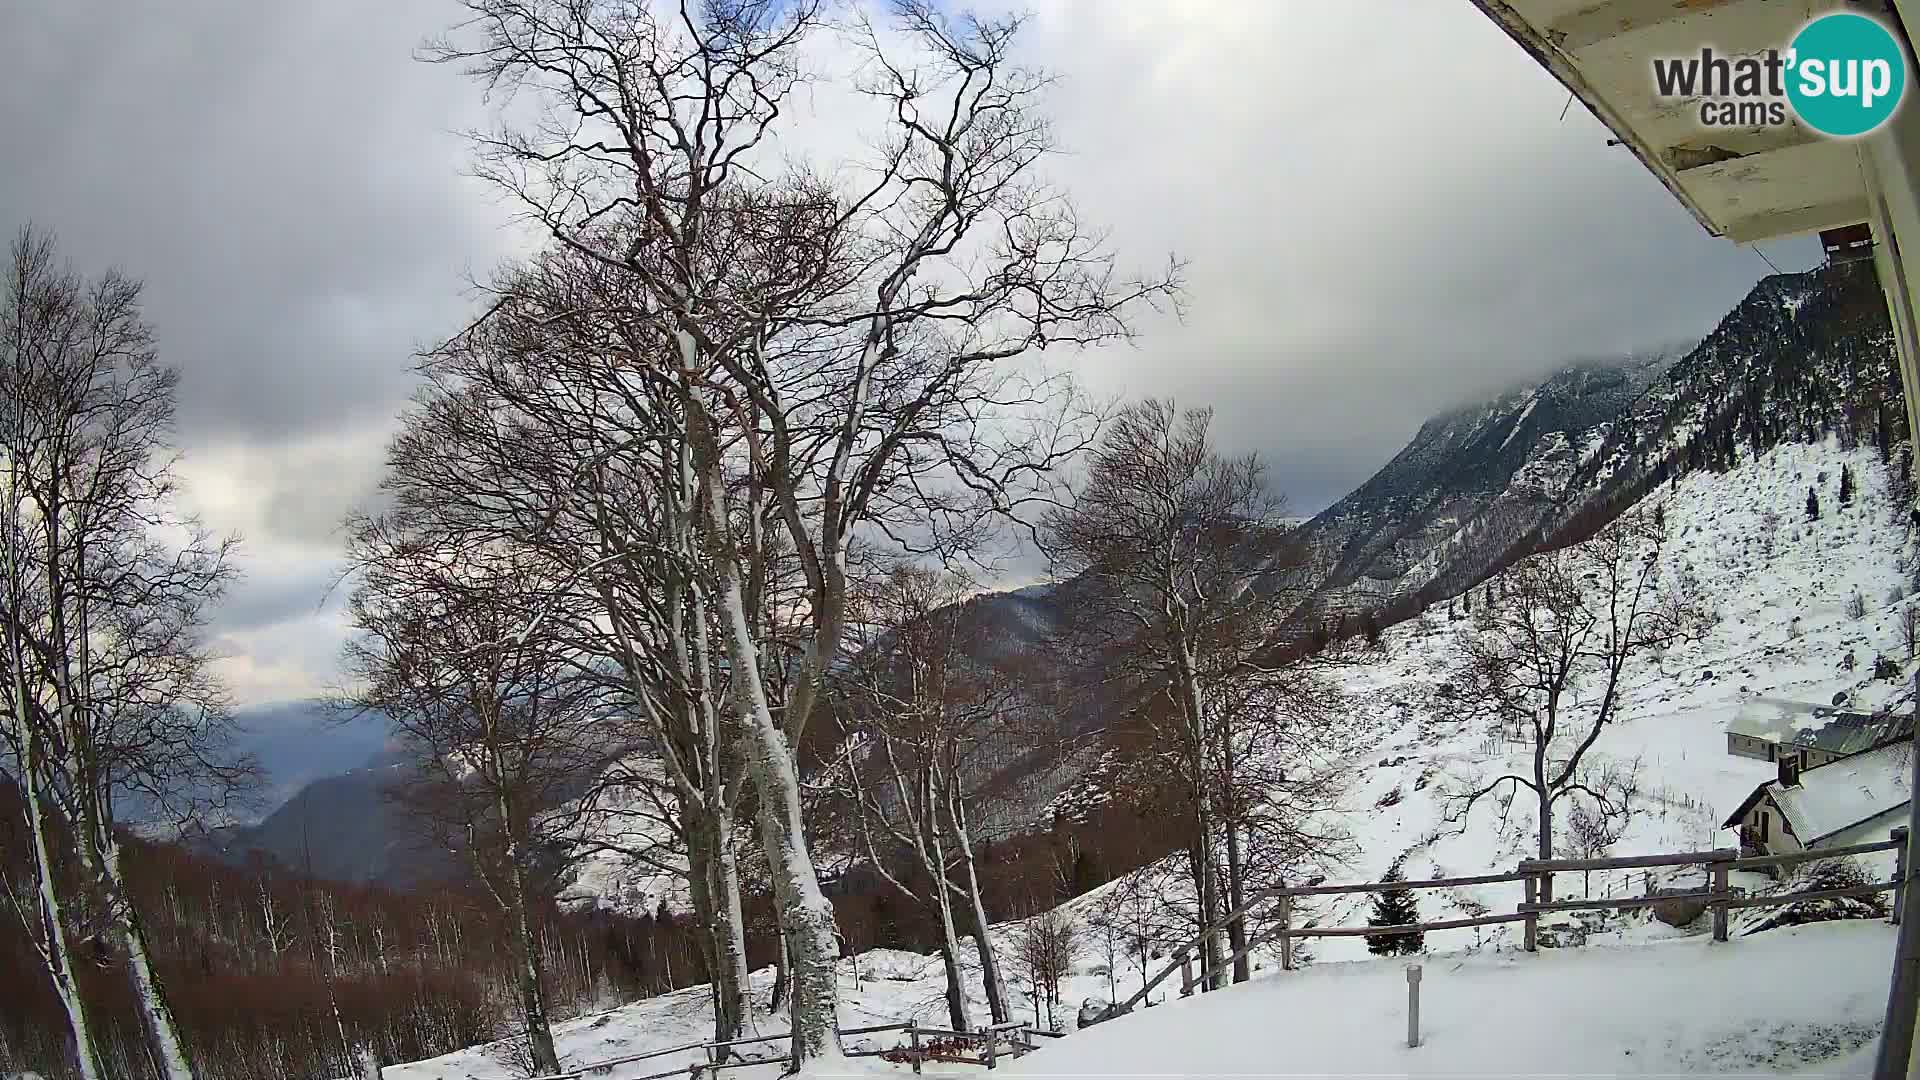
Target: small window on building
{"points": [[1763, 825]]}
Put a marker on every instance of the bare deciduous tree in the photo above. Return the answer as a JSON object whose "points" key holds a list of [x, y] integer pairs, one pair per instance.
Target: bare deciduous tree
{"points": [[841, 343], [534, 436], [1591, 828], [922, 707], [107, 585], [1556, 658], [1175, 553], [1047, 944], [500, 726]]}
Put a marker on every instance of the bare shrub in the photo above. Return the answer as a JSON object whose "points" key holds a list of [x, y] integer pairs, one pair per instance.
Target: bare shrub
{"points": [[1046, 948]]}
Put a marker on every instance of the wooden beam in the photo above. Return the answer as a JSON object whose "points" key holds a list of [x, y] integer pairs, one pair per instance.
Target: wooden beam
{"points": [[1624, 904], [1708, 148], [1790, 858], [1776, 223], [1395, 886], [1590, 26], [1625, 862], [1610, 19], [1377, 931], [1810, 894]]}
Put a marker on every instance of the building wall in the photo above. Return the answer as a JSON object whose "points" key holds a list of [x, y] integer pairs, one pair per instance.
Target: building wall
{"points": [[1769, 750], [1816, 756], [1779, 837]]}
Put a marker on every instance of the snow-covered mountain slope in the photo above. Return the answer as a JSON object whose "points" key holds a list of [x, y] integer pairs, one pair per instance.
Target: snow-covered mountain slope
{"points": [[1780, 586], [628, 858], [1469, 484], [1801, 355]]}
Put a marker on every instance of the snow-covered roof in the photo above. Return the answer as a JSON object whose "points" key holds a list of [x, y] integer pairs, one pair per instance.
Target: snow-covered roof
{"points": [[1834, 797], [1835, 730]]}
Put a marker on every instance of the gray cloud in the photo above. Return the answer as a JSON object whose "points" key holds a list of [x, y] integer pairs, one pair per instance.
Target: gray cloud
{"points": [[1383, 213]]}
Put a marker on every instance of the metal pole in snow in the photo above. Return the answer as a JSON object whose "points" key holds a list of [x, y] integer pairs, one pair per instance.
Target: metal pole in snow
{"points": [[1896, 1035], [1413, 1005]]}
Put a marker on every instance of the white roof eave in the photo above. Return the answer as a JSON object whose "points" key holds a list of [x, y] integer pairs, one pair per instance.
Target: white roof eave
{"points": [[1745, 184]]}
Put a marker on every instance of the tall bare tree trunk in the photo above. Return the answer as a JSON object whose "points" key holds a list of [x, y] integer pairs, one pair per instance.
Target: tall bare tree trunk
{"points": [[777, 1000], [700, 897], [1212, 958], [59, 951], [806, 918], [989, 961], [533, 996], [1237, 899], [714, 885], [170, 1049], [731, 939], [949, 938], [1546, 816], [1187, 670]]}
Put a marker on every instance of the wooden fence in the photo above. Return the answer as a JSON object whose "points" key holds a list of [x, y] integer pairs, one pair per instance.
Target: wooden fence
{"points": [[1536, 878], [989, 1047]]}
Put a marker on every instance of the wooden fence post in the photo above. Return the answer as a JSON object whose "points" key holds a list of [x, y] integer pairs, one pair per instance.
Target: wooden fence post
{"points": [[1899, 871], [1532, 941], [1186, 975], [1719, 900], [913, 1044], [992, 1038], [1286, 939]]}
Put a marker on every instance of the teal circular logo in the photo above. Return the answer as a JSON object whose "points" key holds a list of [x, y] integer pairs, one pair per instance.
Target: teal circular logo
{"points": [[1846, 73]]}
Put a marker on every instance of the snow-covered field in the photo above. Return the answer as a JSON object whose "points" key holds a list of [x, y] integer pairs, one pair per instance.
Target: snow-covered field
{"points": [[1640, 996], [1808, 999], [877, 987]]}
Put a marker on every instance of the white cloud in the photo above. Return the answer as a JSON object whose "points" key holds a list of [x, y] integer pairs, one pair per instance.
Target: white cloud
{"points": [[1382, 210]]}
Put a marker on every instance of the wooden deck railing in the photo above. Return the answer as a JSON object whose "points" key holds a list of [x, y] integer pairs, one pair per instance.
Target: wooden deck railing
{"points": [[996, 1042], [1535, 876], [1718, 895]]}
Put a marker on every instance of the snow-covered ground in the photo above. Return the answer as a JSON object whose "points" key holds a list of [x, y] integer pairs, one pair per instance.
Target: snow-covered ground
{"points": [[1640, 996], [883, 986], [1809, 999], [1806, 1000]]}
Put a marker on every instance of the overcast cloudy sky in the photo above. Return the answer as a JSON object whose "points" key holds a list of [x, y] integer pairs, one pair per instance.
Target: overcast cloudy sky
{"points": [[1384, 213]]}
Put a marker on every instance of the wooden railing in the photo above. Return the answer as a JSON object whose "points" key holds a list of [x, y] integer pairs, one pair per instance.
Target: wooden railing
{"points": [[1718, 895], [922, 1044], [1536, 876]]}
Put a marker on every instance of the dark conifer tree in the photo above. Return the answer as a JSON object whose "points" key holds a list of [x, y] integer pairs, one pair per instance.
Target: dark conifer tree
{"points": [[1813, 505], [1395, 908]]}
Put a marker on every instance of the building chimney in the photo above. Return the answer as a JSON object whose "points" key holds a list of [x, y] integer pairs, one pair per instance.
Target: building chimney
{"points": [[1789, 770]]}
